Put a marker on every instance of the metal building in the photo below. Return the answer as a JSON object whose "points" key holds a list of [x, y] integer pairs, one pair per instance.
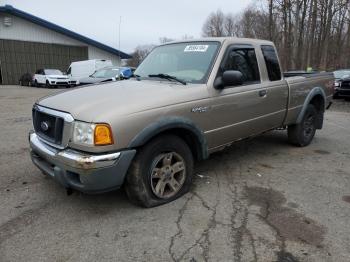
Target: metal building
{"points": [[28, 42]]}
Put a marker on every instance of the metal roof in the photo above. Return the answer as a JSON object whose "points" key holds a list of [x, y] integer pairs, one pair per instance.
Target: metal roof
{"points": [[36, 20]]}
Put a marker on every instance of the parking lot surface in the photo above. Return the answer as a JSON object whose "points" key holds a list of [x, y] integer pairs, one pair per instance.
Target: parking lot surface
{"points": [[259, 200]]}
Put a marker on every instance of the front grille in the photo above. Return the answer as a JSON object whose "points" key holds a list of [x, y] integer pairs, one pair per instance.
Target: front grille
{"points": [[48, 127], [345, 85]]}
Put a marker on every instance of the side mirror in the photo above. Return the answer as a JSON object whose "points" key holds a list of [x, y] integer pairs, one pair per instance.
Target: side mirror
{"points": [[229, 78]]}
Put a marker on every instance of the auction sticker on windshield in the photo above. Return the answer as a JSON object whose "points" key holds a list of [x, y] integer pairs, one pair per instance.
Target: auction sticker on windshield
{"points": [[196, 48]]}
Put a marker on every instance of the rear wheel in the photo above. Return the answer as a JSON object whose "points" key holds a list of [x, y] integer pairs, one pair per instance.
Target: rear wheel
{"points": [[302, 134], [161, 172]]}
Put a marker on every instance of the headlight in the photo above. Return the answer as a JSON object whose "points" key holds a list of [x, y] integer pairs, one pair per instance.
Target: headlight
{"points": [[336, 84], [83, 133], [92, 134]]}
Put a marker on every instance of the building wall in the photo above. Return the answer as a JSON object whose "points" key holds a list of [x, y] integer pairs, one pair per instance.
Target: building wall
{"points": [[95, 53], [19, 57], [26, 31], [36, 47]]}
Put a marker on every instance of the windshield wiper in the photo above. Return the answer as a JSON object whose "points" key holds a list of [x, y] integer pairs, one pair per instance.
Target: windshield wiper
{"points": [[169, 77]]}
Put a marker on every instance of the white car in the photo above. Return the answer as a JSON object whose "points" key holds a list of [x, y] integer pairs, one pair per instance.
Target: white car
{"points": [[51, 78]]}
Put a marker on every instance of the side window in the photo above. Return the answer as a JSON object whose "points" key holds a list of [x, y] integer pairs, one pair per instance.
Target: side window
{"points": [[272, 65], [243, 60], [69, 71]]}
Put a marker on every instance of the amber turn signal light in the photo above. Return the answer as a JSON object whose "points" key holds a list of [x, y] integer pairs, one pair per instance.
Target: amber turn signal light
{"points": [[103, 135]]}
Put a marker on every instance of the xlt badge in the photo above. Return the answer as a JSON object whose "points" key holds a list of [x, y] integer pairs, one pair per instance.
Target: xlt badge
{"points": [[201, 109]]}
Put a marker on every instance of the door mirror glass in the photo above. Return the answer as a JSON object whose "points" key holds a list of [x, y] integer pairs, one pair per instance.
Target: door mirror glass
{"points": [[229, 78]]}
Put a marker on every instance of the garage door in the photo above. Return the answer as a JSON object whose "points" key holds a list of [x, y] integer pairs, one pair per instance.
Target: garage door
{"points": [[19, 57]]}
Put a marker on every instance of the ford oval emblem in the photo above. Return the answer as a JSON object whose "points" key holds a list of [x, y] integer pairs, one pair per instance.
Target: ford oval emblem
{"points": [[44, 126]]}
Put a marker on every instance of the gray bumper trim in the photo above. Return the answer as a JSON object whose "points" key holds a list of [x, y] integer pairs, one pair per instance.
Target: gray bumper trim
{"points": [[71, 157], [83, 172]]}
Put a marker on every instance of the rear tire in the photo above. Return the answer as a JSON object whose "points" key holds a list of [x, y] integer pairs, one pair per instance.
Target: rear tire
{"points": [[161, 172], [302, 134]]}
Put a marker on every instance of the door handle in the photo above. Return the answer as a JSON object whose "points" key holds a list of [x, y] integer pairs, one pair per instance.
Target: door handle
{"points": [[263, 93]]}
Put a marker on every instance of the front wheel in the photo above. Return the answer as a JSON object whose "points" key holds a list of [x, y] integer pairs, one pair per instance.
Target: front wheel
{"points": [[302, 134], [161, 172], [47, 85]]}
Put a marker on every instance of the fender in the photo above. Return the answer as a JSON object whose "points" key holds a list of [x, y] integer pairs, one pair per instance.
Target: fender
{"points": [[314, 92], [167, 124]]}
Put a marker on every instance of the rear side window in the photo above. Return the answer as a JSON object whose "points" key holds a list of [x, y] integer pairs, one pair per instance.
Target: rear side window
{"points": [[272, 65], [243, 59]]}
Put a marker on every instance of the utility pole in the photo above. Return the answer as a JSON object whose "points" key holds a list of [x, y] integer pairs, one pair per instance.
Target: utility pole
{"points": [[120, 22]]}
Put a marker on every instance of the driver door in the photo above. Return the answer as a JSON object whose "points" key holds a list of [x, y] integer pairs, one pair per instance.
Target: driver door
{"points": [[239, 111]]}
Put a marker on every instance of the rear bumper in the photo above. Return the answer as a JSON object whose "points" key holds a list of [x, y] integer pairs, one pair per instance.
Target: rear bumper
{"points": [[81, 171], [342, 92]]}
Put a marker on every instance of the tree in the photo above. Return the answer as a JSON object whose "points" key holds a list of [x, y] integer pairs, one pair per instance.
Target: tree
{"points": [[307, 33], [164, 40], [214, 25], [139, 54]]}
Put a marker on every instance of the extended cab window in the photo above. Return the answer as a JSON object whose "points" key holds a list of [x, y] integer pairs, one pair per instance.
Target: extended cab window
{"points": [[242, 59], [272, 65]]}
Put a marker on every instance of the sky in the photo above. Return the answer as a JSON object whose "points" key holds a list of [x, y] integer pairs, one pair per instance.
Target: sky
{"points": [[142, 22]]}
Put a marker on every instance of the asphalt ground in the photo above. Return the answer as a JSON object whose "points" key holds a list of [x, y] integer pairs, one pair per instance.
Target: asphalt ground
{"points": [[259, 200]]}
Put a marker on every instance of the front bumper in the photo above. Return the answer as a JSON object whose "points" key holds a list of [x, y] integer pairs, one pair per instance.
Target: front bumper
{"points": [[59, 82], [84, 172]]}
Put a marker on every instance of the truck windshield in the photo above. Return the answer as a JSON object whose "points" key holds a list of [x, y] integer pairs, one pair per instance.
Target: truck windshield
{"points": [[342, 74], [189, 62]]}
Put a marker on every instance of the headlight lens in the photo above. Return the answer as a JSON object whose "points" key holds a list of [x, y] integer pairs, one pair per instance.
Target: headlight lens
{"points": [[336, 84], [83, 133], [92, 134]]}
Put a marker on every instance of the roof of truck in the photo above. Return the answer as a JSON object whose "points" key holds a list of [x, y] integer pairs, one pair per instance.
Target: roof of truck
{"points": [[223, 39]]}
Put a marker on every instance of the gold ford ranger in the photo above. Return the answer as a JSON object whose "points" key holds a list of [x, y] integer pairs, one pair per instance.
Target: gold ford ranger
{"points": [[186, 100]]}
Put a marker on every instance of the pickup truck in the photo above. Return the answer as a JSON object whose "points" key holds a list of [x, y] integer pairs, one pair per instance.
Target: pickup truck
{"points": [[186, 101]]}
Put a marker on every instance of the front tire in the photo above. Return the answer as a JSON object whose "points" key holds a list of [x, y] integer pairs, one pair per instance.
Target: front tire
{"points": [[302, 134], [47, 84], [161, 172]]}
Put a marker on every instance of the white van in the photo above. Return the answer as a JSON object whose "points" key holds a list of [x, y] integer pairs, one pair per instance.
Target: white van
{"points": [[83, 69]]}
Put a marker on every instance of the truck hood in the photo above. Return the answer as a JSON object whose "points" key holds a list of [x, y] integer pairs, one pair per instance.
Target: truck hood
{"points": [[96, 102]]}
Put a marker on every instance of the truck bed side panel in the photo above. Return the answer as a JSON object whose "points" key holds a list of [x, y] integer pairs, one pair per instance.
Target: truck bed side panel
{"points": [[300, 87]]}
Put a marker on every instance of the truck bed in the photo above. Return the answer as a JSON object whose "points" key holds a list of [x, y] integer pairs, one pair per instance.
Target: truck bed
{"points": [[300, 85]]}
